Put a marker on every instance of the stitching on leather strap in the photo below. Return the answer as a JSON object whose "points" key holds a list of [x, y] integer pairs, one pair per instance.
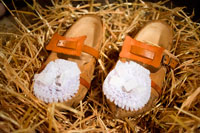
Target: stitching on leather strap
{"points": [[71, 46], [84, 83], [156, 87], [147, 54]]}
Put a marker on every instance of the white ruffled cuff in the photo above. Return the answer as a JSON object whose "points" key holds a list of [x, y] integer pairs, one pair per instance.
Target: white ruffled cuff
{"points": [[128, 85], [59, 81]]}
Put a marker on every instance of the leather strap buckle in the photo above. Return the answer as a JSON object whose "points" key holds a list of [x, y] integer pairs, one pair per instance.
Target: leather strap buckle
{"points": [[70, 46], [147, 54], [138, 51], [173, 63], [169, 59], [166, 59]]}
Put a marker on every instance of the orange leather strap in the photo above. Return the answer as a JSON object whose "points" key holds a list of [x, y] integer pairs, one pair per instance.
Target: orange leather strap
{"points": [[84, 83], [70, 46], [147, 54]]}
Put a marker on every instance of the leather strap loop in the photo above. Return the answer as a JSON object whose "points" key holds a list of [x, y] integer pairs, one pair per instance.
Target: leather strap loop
{"points": [[84, 83], [148, 54], [169, 59], [71, 46]]}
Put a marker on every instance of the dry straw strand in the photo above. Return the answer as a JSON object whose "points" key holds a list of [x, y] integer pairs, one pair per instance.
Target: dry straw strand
{"points": [[22, 52]]}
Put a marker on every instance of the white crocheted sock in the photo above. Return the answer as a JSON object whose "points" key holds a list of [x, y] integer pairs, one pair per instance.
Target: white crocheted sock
{"points": [[59, 81], [128, 85]]}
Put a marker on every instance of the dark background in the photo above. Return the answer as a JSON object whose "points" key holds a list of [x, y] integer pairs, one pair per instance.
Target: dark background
{"points": [[191, 5]]}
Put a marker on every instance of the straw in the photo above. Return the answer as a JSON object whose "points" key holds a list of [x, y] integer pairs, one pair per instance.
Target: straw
{"points": [[22, 52]]}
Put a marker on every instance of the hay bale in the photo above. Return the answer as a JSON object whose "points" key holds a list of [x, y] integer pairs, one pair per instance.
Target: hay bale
{"points": [[22, 54]]}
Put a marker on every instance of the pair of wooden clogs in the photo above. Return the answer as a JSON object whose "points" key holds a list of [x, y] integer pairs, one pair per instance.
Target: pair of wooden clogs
{"points": [[149, 48]]}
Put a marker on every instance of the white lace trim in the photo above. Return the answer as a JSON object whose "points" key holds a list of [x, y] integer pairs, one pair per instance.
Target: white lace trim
{"points": [[59, 81], [128, 85]]}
